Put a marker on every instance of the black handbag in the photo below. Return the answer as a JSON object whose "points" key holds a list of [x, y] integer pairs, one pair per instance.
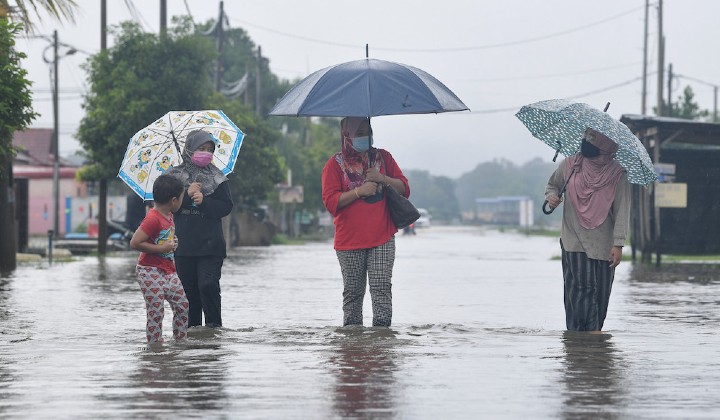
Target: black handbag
{"points": [[402, 212]]}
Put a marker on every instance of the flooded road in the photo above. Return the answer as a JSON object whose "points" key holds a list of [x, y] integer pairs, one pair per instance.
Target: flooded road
{"points": [[478, 332]]}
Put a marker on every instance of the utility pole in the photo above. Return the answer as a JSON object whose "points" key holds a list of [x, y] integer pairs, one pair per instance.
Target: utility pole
{"points": [[643, 104], [103, 190], [661, 61], [669, 102], [246, 94], [219, 34], [257, 80], [55, 140], [163, 17]]}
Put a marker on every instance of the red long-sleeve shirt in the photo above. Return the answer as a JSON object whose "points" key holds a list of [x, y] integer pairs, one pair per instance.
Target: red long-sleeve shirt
{"points": [[359, 225]]}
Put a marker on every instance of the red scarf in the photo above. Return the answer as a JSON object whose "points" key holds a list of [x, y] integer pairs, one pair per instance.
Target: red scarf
{"points": [[354, 164]]}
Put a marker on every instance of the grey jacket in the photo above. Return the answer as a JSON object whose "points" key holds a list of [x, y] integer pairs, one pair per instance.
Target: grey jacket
{"points": [[598, 242]]}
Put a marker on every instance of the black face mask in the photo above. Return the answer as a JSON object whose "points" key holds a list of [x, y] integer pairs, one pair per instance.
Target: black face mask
{"points": [[588, 149]]}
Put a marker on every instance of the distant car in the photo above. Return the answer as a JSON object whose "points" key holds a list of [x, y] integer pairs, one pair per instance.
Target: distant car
{"points": [[424, 220]]}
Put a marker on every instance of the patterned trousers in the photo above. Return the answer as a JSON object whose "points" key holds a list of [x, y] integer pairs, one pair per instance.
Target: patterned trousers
{"points": [[158, 286], [587, 291], [373, 266]]}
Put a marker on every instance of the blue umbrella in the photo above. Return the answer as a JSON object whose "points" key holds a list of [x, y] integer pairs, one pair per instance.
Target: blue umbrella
{"points": [[367, 88]]}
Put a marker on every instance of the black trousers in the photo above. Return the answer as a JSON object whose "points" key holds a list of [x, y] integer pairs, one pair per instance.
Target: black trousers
{"points": [[200, 277], [588, 283]]}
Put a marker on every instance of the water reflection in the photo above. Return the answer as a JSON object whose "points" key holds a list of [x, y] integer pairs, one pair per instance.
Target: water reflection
{"points": [[190, 376], [593, 375], [365, 366]]}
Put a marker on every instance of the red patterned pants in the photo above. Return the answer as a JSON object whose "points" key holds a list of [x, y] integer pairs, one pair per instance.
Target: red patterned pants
{"points": [[158, 286]]}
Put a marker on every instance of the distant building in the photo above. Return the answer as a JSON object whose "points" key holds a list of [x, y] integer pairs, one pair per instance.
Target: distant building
{"points": [[33, 173], [506, 211]]}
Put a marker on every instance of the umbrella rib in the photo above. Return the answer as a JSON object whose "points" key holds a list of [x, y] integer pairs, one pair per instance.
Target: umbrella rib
{"points": [[157, 156]]}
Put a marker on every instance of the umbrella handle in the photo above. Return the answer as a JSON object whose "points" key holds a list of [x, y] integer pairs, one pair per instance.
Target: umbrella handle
{"points": [[545, 210], [562, 191]]}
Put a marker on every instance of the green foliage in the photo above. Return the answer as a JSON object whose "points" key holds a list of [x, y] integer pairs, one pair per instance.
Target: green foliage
{"points": [[305, 152], [503, 178], [434, 193], [16, 111], [135, 82], [239, 56], [259, 166], [20, 11], [685, 107]]}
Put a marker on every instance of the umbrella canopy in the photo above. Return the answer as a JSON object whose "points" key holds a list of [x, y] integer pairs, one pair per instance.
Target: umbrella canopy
{"points": [[367, 88], [560, 124], [158, 147]]}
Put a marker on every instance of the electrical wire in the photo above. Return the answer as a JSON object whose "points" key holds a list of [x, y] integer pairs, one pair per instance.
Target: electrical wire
{"points": [[581, 95], [680, 76], [547, 76], [451, 49]]}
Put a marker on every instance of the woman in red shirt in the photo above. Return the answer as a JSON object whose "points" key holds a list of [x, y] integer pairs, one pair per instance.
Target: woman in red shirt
{"points": [[352, 183]]}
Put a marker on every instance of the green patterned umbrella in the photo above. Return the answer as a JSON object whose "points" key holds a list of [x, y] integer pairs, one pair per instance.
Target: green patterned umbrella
{"points": [[560, 124]]}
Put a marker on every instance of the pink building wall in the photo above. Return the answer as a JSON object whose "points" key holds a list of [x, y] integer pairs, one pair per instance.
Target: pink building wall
{"points": [[40, 205]]}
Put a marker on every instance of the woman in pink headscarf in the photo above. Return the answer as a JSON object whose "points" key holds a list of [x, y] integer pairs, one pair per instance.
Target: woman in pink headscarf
{"points": [[352, 183], [594, 225]]}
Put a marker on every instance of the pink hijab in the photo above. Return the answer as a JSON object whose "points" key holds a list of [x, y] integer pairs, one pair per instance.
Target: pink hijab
{"points": [[353, 163], [593, 184]]}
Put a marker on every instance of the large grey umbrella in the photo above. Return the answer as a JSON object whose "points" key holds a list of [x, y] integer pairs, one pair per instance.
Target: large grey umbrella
{"points": [[367, 88]]}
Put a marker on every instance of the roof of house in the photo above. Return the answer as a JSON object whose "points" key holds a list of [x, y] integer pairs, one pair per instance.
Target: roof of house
{"points": [[675, 131], [34, 145]]}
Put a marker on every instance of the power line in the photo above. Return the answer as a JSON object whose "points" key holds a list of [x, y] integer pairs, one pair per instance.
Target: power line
{"points": [[453, 49], [582, 95], [680, 76], [547, 76]]}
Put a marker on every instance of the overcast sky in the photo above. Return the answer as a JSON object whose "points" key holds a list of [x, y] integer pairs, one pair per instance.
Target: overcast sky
{"points": [[494, 54]]}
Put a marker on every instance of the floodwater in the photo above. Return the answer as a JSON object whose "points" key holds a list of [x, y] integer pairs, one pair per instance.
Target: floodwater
{"points": [[478, 332]]}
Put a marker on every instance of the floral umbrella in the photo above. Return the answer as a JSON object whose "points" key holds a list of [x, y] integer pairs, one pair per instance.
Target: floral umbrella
{"points": [[560, 124], [158, 147]]}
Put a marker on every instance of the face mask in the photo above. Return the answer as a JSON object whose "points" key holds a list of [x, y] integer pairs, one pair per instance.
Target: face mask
{"points": [[202, 159], [588, 149], [361, 144]]}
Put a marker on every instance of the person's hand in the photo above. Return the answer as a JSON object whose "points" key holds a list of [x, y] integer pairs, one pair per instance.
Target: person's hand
{"points": [[554, 201], [193, 188], [374, 175], [367, 189], [176, 242], [167, 247], [615, 256], [197, 198]]}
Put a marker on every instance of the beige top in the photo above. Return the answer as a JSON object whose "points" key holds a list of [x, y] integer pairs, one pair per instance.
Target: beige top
{"points": [[598, 242]]}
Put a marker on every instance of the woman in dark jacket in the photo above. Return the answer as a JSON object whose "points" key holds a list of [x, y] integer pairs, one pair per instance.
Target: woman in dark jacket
{"points": [[201, 251]]}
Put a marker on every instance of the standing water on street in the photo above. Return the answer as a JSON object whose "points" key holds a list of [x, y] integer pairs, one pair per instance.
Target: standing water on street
{"points": [[478, 331]]}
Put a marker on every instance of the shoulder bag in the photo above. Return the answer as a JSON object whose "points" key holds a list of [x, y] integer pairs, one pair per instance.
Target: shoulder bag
{"points": [[402, 212]]}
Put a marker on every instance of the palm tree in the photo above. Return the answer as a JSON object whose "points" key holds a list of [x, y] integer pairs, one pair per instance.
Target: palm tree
{"points": [[20, 12]]}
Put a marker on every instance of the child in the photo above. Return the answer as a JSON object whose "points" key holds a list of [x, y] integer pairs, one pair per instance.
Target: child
{"points": [[156, 275]]}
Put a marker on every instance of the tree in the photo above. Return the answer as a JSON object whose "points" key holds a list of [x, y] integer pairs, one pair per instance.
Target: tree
{"points": [[685, 107], [258, 168], [502, 178], [132, 84], [16, 113], [60, 9], [434, 193]]}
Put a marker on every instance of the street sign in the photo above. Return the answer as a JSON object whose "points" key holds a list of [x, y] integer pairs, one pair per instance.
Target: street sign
{"points": [[664, 168], [671, 195]]}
